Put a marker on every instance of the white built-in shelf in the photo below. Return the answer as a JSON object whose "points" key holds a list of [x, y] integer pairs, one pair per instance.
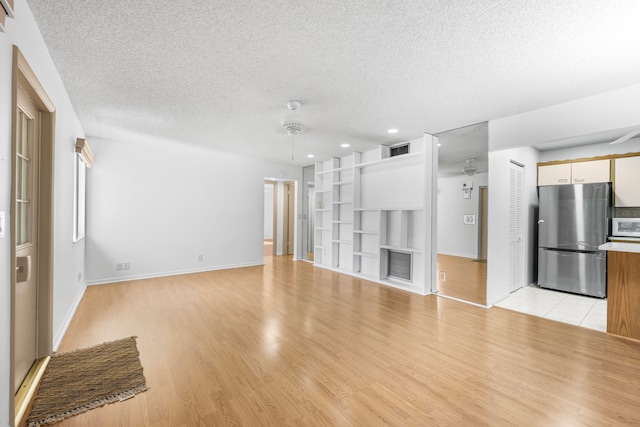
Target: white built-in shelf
{"points": [[405, 208], [388, 159], [352, 245], [401, 249], [366, 254], [373, 232]]}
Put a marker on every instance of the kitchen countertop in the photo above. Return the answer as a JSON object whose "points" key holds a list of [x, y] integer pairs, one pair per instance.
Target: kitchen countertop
{"points": [[620, 247], [624, 239]]}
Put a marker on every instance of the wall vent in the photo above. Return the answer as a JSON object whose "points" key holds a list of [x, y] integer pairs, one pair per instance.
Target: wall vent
{"points": [[400, 265], [399, 149]]}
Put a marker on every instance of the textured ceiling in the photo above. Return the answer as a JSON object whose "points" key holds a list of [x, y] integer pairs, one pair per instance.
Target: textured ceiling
{"points": [[219, 74]]}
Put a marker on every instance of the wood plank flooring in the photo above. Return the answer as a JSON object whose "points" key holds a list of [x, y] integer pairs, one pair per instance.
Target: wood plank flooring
{"points": [[292, 344], [466, 278]]}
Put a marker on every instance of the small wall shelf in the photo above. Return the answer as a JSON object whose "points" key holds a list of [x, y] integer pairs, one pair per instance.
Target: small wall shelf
{"points": [[372, 232], [401, 249]]}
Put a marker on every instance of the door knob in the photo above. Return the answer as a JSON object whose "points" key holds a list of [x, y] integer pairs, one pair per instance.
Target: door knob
{"points": [[540, 221]]}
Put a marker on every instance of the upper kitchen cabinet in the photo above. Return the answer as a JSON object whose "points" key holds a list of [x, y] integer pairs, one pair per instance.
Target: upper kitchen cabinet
{"points": [[627, 177], [554, 174], [575, 173]]}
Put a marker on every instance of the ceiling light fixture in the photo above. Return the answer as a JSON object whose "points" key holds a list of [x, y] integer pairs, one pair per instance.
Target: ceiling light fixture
{"points": [[311, 156], [625, 137], [345, 145], [392, 131], [291, 124]]}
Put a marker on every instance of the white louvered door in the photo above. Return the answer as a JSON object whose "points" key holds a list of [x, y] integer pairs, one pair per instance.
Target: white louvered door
{"points": [[516, 227]]}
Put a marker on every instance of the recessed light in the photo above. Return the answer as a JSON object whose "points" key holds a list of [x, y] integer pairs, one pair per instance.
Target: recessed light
{"points": [[345, 145], [439, 145], [310, 156], [392, 131]]}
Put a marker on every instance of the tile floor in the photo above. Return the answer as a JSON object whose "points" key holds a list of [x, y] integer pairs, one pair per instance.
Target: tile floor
{"points": [[579, 310]]}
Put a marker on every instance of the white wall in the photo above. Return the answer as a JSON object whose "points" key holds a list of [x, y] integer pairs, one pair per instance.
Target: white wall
{"points": [[268, 211], [69, 257], [158, 204], [599, 113], [498, 245], [455, 237]]}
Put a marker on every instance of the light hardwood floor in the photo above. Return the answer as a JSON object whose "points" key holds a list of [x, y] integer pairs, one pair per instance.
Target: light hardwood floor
{"points": [[466, 279], [292, 344]]}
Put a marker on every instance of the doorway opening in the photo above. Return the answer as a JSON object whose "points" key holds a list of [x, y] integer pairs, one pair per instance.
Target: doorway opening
{"points": [[308, 212], [31, 336], [279, 217], [270, 217], [288, 221]]}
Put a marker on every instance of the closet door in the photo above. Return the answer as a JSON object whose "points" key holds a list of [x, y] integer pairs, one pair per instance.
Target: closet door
{"points": [[516, 227]]}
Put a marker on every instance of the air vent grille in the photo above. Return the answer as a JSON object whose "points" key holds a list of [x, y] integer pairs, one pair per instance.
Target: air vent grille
{"points": [[398, 150]]}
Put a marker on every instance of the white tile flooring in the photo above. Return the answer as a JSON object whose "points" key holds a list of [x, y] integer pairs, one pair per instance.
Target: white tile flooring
{"points": [[578, 310]]}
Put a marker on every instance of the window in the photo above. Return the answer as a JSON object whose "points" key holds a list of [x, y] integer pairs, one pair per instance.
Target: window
{"points": [[79, 197]]}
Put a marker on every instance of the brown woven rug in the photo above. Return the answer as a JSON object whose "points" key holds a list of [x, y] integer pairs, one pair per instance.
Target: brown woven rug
{"points": [[80, 380]]}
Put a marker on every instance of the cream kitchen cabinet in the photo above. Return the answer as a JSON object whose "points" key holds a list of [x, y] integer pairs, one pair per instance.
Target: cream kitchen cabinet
{"points": [[627, 182], [575, 173], [554, 174]]}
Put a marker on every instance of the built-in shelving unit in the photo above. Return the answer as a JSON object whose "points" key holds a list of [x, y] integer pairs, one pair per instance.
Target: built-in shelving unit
{"points": [[370, 216]]}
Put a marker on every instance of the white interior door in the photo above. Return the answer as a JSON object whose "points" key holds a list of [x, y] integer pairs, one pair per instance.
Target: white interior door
{"points": [[26, 233], [516, 227]]}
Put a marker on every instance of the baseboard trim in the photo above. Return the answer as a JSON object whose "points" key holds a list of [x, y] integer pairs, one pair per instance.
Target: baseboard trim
{"points": [[118, 279], [57, 338]]}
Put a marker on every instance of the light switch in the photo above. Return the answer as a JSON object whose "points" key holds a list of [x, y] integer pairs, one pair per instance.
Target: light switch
{"points": [[1, 225]]}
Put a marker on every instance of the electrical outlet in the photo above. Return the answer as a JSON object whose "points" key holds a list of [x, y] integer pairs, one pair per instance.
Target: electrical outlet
{"points": [[442, 276], [200, 257], [126, 265], [119, 266]]}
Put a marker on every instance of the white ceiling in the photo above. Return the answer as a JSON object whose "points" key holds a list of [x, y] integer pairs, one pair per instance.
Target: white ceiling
{"points": [[219, 74]]}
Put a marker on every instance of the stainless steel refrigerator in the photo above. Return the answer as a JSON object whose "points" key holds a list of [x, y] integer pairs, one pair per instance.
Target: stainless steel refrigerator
{"points": [[573, 221]]}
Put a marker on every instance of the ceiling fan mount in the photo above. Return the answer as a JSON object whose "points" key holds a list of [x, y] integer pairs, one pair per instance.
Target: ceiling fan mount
{"points": [[470, 168], [292, 124]]}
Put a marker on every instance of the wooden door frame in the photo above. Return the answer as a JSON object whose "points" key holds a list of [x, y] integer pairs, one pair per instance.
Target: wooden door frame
{"points": [[483, 222], [24, 76], [274, 247], [288, 218]]}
